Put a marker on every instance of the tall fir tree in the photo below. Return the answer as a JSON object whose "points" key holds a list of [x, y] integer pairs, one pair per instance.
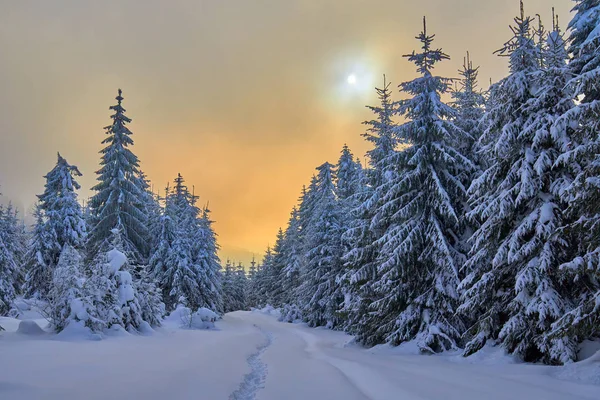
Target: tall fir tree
{"points": [[10, 258], [512, 289], [319, 292], [582, 268], [348, 175], [119, 202], [469, 102], [359, 240], [59, 222], [420, 258], [207, 260]]}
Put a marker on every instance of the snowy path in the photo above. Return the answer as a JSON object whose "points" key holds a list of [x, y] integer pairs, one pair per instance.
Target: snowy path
{"points": [[255, 379], [309, 363], [254, 357]]}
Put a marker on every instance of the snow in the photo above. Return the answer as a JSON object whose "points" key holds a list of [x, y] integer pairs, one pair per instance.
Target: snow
{"points": [[29, 327], [253, 356], [126, 292], [116, 260], [184, 318]]}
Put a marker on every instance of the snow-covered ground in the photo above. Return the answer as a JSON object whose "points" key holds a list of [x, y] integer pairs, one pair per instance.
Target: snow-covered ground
{"points": [[253, 356]]}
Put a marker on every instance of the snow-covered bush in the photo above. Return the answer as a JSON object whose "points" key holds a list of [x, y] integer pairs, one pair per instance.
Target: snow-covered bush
{"points": [[66, 301], [150, 299], [113, 295], [203, 318], [290, 313]]}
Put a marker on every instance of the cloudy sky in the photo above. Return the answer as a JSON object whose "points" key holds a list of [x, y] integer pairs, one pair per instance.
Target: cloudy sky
{"points": [[243, 97]]}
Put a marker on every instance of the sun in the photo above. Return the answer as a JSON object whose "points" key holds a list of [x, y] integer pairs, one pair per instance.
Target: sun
{"points": [[352, 79]]}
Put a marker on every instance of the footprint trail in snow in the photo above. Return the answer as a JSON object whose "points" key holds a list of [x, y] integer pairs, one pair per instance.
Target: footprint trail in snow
{"points": [[255, 379]]}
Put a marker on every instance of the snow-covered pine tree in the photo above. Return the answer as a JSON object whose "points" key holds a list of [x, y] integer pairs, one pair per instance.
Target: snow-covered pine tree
{"points": [[66, 299], [274, 274], [264, 278], [228, 288], [359, 239], [59, 222], [319, 294], [113, 299], [158, 266], [582, 268], [186, 263], [153, 212], [469, 102], [149, 297], [207, 262], [348, 175], [181, 276], [420, 258], [39, 260], [10, 253], [119, 202], [240, 283], [511, 289], [293, 256], [253, 273]]}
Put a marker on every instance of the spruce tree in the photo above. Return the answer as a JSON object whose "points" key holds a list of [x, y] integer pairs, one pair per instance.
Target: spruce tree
{"points": [[119, 202], [469, 103], [359, 240], [348, 175], [39, 260], [512, 286], [253, 273], [228, 288], [109, 290], [319, 292], [582, 267], [59, 222], [207, 262], [186, 263], [10, 273], [240, 283], [293, 255], [66, 298], [420, 260]]}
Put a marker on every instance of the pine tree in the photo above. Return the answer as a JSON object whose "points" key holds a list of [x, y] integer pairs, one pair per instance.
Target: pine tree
{"points": [[359, 240], [207, 260], [319, 293], [10, 274], [469, 103], [119, 199], [149, 297], [39, 261], [293, 256], [228, 288], [186, 263], [273, 272], [420, 258], [253, 273], [67, 302], [153, 212], [158, 261], [348, 175], [110, 292], [582, 267], [381, 134], [511, 289], [59, 222], [240, 284]]}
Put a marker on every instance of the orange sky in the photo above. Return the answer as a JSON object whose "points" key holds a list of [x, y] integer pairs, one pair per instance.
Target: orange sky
{"points": [[243, 97]]}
